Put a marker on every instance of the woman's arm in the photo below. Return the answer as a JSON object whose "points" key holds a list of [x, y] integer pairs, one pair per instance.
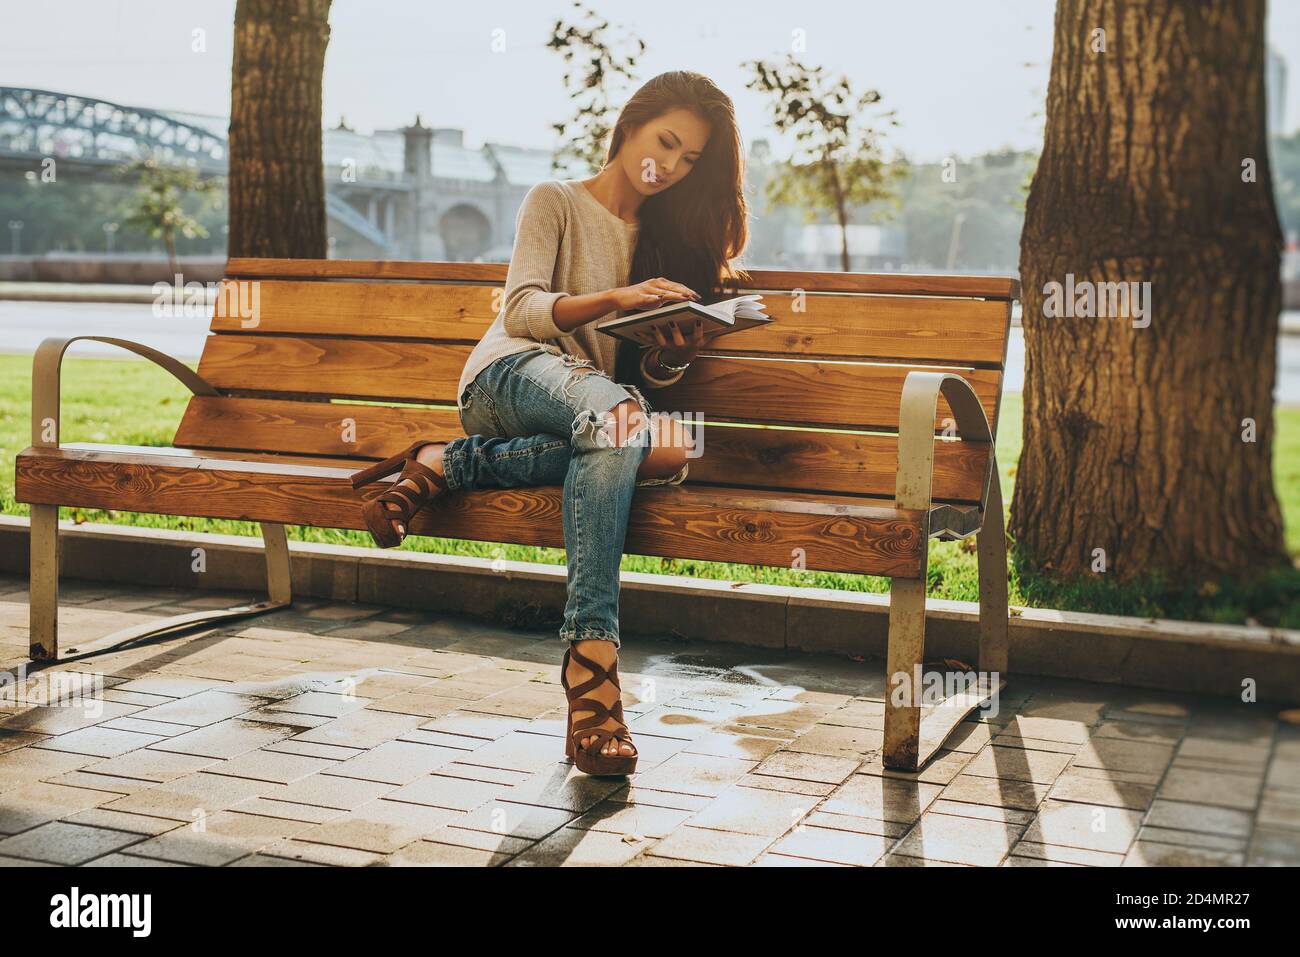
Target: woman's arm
{"points": [[529, 296], [570, 312], [533, 310]]}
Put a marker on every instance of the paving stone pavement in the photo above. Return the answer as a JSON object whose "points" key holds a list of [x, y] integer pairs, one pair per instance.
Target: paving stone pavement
{"points": [[333, 733]]}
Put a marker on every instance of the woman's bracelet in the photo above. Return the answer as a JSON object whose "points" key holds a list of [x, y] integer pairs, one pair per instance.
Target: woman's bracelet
{"points": [[668, 367]]}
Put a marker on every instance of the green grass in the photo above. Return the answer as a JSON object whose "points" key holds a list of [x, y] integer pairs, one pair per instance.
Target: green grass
{"points": [[132, 402]]}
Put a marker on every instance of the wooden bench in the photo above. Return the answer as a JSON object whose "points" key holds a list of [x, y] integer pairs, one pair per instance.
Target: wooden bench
{"points": [[888, 363]]}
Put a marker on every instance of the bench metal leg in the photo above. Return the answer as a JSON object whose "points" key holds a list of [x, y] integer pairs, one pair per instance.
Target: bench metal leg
{"points": [[43, 583], [903, 658], [992, 548], [279, 579], [916, 726], [915, 729], [932, 706], [44, 605]]}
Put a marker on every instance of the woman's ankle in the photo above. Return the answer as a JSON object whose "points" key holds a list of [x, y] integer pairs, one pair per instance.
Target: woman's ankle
{"points": [[599, 650], [432, 456]]}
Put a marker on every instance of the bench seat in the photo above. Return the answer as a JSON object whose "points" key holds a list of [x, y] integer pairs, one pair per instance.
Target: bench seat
{"points": [[839, 533]]}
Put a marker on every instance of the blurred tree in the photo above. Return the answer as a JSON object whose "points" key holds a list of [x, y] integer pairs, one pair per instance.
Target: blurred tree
{"points": [[277, 175], [986, 190], [158, 206], [1150, 447], [838, 162], [585, 137], [1286, 170], [69, 215]]}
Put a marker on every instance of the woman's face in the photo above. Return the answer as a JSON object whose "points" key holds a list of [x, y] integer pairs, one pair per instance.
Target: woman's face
{"points": [[664, 150]]}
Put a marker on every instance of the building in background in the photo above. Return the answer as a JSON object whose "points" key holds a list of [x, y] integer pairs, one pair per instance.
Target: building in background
{"points": [[420, 193]]}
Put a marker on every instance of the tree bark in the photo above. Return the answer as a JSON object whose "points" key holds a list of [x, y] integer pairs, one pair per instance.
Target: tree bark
{"points": [[1133, 437], [277, 178]]}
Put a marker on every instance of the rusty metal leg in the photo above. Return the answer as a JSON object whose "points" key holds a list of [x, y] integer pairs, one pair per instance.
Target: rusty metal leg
{"points": [[992, 548], [905, 654], [43, 605], [922, 710], [279, 579], [278, 583]]}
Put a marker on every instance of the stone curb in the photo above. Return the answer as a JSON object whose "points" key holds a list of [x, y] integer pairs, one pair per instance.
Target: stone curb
{"points": [[1191, 657]]}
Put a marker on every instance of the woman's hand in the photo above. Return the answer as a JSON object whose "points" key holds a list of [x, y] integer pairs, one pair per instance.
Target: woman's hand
{"points": [[651, 294], [680, 350]]}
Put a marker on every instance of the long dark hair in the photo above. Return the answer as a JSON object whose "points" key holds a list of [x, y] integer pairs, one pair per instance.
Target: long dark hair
{"points": [[691, 232]]}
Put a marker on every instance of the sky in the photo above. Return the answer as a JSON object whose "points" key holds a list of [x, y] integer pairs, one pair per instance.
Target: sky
{"points": [[963, 76]]}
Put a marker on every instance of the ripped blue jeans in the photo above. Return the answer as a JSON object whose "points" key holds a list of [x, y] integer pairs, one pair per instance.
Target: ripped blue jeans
{"points": [[530, 419]]}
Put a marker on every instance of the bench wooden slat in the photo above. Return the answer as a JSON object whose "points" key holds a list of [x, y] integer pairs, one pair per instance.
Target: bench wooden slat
{"points": [[741, 389], [327, 366], [969, 331], [847, 395], [837, 462], [103, 451], [905, 284], [456, 313], [746, 526]]}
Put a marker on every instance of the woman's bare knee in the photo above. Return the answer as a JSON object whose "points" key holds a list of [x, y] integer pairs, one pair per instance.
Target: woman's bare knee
{"points": [[624, 421], [667, 458]]}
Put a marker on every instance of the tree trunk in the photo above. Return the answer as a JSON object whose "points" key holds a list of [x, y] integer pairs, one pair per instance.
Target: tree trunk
{"points": [[277, 178], [1133, 437], [841, 217]]}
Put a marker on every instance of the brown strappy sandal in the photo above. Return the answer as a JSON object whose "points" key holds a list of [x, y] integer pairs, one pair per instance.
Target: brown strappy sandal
{"points": [[590, 760], [413, 488]]}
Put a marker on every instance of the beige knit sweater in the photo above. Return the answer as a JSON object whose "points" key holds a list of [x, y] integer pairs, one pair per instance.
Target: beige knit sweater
{"points": [[566, 243]]}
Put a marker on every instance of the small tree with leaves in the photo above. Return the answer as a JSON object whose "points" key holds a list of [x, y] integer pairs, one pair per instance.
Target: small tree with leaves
{"points": [[592, 64], [838, 163], [158, 206]]}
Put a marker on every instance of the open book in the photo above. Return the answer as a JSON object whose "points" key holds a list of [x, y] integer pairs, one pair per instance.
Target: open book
{"points": [[720, 319]]}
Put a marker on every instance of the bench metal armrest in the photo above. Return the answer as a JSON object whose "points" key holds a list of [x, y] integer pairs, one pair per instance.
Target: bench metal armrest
{"points": [[44, 605], [48, 362], [916, 440]]}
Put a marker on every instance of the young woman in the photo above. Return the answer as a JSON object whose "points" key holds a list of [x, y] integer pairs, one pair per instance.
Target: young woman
{"points": [[538, 398]]}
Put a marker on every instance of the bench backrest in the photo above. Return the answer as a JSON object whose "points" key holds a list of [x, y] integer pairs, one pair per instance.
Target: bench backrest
{"points": [[355, 359]]}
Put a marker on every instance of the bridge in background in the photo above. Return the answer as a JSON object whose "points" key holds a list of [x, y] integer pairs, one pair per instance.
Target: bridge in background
{"points": [[412, 193]]}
